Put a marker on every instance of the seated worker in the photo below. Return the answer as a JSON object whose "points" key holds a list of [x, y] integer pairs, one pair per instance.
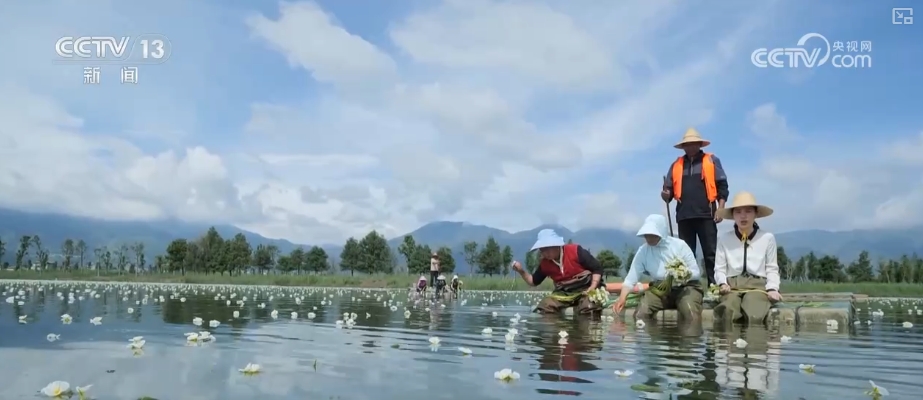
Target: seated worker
{"points": [[456, 284], [746, 266], [421, 284], [440, 284], [574, 271], [666, 259]]}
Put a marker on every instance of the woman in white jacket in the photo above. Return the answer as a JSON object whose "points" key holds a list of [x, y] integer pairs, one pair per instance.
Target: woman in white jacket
{"points": [[746, 266]]}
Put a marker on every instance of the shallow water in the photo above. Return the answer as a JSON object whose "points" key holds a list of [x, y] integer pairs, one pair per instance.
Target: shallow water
{"points": [[388, 356]]}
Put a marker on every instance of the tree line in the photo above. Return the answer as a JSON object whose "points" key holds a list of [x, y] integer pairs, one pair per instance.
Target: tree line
{"points": [[213, 254]]}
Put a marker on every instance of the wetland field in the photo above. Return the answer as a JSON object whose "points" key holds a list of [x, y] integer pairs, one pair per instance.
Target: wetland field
{"points": [[127, 341]]}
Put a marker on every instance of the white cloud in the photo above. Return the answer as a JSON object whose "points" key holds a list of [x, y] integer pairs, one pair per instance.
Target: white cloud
{"points": [[500, 113]]}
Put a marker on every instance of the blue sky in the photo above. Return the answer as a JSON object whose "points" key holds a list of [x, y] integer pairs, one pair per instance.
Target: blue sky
{"points": [[314, 121]]}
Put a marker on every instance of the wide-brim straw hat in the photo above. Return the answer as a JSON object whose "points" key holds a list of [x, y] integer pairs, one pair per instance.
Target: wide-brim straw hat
{"points": [[691, 136], [745, 199]]}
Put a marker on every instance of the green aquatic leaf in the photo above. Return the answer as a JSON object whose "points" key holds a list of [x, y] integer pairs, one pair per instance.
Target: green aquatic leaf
{"points": [[640, 387]]}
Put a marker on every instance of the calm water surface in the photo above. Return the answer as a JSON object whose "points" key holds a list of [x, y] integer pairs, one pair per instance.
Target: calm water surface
{"points": [[389, 356]]}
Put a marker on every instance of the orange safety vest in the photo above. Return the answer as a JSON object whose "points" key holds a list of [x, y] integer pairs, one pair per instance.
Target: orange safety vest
{"points": [[708, 175]]}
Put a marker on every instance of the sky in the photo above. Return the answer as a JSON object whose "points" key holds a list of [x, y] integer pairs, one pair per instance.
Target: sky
{"points": [[317, 121]]}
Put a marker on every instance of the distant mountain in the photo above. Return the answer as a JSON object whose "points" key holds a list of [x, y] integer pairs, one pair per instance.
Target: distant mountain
{"points": [[55, 228]]}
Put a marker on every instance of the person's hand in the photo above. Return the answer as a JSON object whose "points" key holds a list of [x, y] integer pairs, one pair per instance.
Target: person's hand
{"points": [[774, 296], [718, 218], [619, 306], [724, 288], [665, 195], [517, 266]]}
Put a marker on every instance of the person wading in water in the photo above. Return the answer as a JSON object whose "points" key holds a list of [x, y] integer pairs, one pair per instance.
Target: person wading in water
{"points": [[746, 265], [696, 180], [574, 271]]}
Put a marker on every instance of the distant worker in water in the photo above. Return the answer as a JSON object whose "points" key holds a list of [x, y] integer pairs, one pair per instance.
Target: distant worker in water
{"points": [[746, 265], [440, 284], [434, 267], [574, 271], [456, 285], [421, 284], [672, 267], [696, 180]]}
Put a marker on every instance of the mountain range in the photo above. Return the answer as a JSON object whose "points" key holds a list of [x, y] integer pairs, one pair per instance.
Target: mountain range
{"points": [[55, 228]]}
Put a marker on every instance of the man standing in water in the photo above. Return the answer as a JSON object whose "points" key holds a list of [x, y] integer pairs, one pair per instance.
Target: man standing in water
{"points": [[434, 268], [696, 180], [573, 269]]}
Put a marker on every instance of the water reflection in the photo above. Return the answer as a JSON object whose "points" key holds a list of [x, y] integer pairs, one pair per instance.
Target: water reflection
{"points": [[387, 353], [565, 356]]}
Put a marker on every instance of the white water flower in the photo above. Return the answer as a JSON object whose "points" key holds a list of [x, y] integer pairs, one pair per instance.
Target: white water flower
{"points": [[510, 337], [506, 375], [274, 314], [740, 343], [197, 321], [57, 389], [52, 337], [908, 325], [464, 350], [785, 339], [66, 319], [22, 319], [562, 334], [487, 331], [82, 391], [809, 368], [294, 315], [434, 341], [623, 373], [192, 337], [250, 369], [130, 310], [640, 324], [876, 391], [214, 323], [96, 321], [136, 343], [236, 314]]}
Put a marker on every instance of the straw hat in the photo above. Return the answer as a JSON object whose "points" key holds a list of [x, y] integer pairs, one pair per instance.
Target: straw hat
{"points": [[692, 136], [745, 199]]}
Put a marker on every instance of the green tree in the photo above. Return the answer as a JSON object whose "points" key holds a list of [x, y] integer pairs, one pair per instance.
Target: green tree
{"points": [[860, 270], [67, 250], [2, 248], [137, 250], [351, 257], [376, 254], [81, 250], [611, 263], [507, 259], [262, 258], [408, 249], [121, 258], [420, 260], [785, 264], [446, 260], [490, 258], [40, 252], [21, 253], [317, 260], [629, 258], [176, 256], [212, 251], [532, 261], [829, 269], [470, 252]]}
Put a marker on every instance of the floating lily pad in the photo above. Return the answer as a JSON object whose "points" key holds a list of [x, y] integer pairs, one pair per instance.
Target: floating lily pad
{"points": [[640, 387]]}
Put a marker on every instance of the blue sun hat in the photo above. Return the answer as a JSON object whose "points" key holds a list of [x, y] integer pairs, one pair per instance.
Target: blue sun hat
{"points": [[548, 238]]}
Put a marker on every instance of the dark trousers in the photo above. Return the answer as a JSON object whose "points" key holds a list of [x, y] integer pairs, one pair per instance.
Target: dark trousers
{"points": [[435, 274], [706, 230]]}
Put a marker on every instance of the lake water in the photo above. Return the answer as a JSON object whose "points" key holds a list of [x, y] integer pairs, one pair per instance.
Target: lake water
{"points": [[388, 355]]}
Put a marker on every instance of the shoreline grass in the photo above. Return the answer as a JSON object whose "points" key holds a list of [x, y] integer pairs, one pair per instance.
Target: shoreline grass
{"points": [[401, 281]]}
